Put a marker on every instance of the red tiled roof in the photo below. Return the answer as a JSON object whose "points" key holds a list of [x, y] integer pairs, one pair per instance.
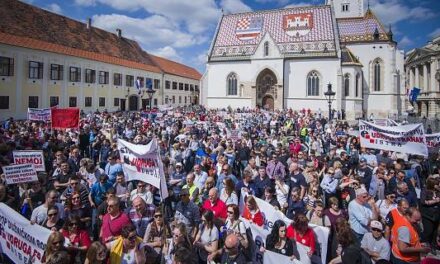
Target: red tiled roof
{"points": [[175, 68], [27, 26]]}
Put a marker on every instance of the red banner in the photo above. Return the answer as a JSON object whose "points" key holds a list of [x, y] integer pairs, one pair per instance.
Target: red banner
{"points": [[65, 117]]}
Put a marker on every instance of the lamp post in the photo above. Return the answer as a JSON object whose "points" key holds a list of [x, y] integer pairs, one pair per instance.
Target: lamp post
{"points": [[150, 93], [329, 94]]}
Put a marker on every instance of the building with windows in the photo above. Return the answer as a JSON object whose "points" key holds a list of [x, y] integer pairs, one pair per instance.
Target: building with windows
{"points": [[422, 68], [48, 60], [285, 58]]}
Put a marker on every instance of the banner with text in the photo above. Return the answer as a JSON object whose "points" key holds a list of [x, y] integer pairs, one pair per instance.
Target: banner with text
{"points": [[36, 114], [20, 173], [21, 241], [433, 142], [143, 163], [405, 139], [35, 157]]}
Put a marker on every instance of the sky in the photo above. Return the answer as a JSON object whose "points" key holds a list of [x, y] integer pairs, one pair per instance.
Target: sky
{"points": [[182, 30]]}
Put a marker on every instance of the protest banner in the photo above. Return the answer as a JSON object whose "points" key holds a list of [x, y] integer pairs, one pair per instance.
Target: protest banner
{"points": [[21, 241], [433, 142], [405, 139], [35, 157], [20, 173], [35, 114], [65, 117], [273, 257], [271, 215], [235, 135], [143, 163]]}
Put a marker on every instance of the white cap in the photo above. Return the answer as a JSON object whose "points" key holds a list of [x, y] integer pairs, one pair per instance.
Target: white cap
{"points": [[360, 191], [376, 224]]}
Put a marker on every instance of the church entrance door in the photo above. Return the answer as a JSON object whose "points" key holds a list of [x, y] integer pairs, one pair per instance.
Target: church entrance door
{"points": [[266, 89], [133, 103]]}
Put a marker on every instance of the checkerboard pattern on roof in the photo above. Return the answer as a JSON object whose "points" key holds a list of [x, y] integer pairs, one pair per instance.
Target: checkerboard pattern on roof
{"points": [[359, 29], [322, 30]]}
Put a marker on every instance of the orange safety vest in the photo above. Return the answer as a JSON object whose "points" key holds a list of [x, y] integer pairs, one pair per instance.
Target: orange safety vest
{"points": [[414, 240]]}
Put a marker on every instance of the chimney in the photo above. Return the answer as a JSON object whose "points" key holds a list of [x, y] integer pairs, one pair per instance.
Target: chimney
{"points": [[119, 32], [89, 23]]}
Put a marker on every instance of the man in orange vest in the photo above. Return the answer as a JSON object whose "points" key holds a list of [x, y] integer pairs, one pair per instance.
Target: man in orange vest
{"points": [[394, 214], [406, 246]]}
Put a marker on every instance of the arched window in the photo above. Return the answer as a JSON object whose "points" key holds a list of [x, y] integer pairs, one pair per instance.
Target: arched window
{"points": [[232, 84], [266, 48], [313, 84], [347, 84], [377, 75], [358, 79]]}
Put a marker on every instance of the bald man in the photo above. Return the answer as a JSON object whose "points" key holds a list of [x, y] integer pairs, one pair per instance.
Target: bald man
{"points": [[231, 252], [214, 204]]}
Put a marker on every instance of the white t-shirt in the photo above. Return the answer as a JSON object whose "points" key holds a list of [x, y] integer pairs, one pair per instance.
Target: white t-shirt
{"points": [[281, 197], [240, 227], [39, 214], [209, 235], [384, 208]]}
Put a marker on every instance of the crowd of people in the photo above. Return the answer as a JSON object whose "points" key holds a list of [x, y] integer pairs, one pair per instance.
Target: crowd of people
{"points": [[380, 206]]}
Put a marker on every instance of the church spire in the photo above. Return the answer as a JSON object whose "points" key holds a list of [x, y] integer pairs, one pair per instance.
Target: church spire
{"points": [[390, 34]]}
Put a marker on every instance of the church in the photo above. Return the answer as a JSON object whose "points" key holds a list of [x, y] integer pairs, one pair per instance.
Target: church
{"points": [[288, 58]]}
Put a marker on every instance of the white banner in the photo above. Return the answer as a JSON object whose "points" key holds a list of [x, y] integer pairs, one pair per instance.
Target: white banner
{"points": [[39, 114], [35, 157], [21, 241], [273, 257], [143, 163], [20, 173], [405, 139], [271, 215], [433, 142]]}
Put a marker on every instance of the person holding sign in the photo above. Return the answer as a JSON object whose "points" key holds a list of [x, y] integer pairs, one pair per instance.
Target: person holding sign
{"points": [[278, 242]]}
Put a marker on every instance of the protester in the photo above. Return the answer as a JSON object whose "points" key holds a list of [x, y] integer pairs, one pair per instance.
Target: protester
{"points": [[375, 244], [126, 247], [78, 238], [39, 214], [180, 240], [157, 232], [277, 241], [113, 221], [53, 220], [54, 245], [300, 231], [252, 212], [96, 253], [207, 238], [141, 214], [361, 211]]}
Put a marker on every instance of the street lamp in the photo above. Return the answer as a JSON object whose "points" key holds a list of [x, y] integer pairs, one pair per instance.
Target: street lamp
{"points": [[329, 94], [150, 93]]}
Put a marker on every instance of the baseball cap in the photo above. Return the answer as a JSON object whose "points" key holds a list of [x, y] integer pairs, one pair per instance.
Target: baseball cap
{"points": [[361, 191], [376, 224], [178, 164]]}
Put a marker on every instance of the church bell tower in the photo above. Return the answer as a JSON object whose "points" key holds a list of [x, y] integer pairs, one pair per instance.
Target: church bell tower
{"points": [[347, 8]]}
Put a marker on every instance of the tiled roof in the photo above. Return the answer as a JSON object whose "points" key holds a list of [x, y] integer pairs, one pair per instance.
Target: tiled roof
{"points": [[31, 27], [361, 29], [174, 68], [294, 30], [348, 58]]}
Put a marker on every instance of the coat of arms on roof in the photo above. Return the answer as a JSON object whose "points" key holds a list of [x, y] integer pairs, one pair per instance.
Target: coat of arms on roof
{"points": [[298, 25], [248, 28]]}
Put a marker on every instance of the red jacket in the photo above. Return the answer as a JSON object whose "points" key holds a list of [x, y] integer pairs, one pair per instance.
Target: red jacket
{"points": [[307, 240]]}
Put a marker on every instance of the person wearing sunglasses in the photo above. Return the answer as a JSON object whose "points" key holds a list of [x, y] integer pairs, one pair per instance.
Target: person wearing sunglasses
{"points": [[179, 240], [75, 185], [53, 221], [54, 245], [375, 244], [127, 248], [79, 239], [157, 232], [74, 206], [387, 204]]}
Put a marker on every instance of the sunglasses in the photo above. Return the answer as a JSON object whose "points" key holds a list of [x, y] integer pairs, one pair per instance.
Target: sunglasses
{"points": [[50, 215], [376, 230], [73, 224], [75, 198], [141, 186], [230, 212], [132, 238], [157, 216], [57, 242]]}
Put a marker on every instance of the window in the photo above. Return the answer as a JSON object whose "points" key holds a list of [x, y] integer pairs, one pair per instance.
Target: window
{"points": [[35, 70], [155, 101], [6, 66], [377, 75], [232, 84], [166, 99], [156, 84], [75, 74], [101, 101], [117, 79], [185, 99], [358, 77], [88, 101], [116, 102], [345, 7], [148, 83], [4, 102], [180, 99], [191, 87], [347, 84], [103, 77], [129, 80], [72, 101], [33, 102], [186, 87], [313, 84], [90, 76], [139, 82], [54, 101], [174, 85], [266, 48], [56, 72], [181, 86], [196, 88], [174, 99], [167, 84]]}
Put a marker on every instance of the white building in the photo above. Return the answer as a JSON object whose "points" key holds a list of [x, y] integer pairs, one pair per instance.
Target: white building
{"points": [[285, 58]]}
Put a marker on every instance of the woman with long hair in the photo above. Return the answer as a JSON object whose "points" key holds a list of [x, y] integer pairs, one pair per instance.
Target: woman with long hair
{"points": [[233, 224], [300, 231], [96, 254], [74, 207], [228, 195], [157, 232], [252, 212], [127, 248], [349, 251], [180, 240], [79, 239], [311, 197], [53, 221], [277, 240], [207, 237], [55, 244], [334, 213]]}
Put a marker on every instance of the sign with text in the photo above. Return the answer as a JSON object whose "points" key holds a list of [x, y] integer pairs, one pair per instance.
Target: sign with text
{"points": [[20, 173], [35, 157], [433, 142], [36, 114], [405, 139]]}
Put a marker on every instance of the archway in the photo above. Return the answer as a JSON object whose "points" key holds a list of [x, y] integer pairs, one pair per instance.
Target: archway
{"points": [[133, 103], [266, 88]]}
